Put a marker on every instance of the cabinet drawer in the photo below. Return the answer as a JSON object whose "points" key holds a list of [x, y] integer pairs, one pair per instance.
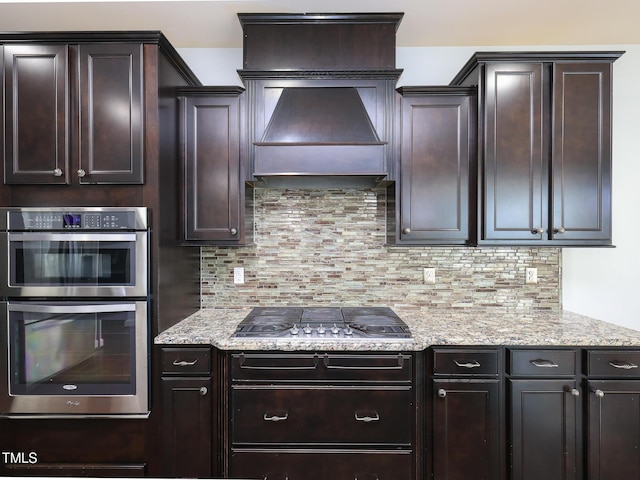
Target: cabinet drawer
{"points": [[340, 367], [464, 362], [542, 363], [186, 360], [319, 465], [321, 415], [613, 363]]}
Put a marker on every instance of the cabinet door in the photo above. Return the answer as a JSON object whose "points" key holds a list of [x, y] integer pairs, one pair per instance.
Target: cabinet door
{"points": [[581, 158], [212, 169], [434, 185], [111, 120], [466, 426], [36, 114], [545, 433], [187, 427], [515, 177], [614, 429]]}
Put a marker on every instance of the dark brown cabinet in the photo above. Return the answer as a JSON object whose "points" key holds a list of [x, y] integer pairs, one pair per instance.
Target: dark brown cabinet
{"points": [[613, 414], [187, 411], [437, 156], [544, 135], [466, 394], [213, 187], [315, 416], [73, 113], [545, 414]]}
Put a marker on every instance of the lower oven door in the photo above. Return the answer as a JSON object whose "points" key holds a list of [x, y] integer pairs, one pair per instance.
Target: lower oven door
{"points": [[74, 358]]}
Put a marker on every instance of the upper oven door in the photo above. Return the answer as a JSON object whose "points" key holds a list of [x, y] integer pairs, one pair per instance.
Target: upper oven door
{"points": [[68, 264]]}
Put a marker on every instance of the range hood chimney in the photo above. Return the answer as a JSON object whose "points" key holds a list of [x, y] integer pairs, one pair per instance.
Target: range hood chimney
{"points": [[321, 98]]}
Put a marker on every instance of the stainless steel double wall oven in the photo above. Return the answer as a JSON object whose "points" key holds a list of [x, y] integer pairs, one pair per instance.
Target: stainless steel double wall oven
{"points": [[74, 318]]}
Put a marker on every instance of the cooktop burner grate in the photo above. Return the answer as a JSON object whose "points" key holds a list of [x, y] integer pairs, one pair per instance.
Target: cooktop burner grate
{"points": [[330, 323]]}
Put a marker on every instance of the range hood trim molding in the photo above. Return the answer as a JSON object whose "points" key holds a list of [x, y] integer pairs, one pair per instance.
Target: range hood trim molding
{"points": [[381, 74]]}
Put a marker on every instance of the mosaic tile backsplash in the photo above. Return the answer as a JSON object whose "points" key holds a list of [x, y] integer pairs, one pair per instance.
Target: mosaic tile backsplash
{"points": [[327, 247]]}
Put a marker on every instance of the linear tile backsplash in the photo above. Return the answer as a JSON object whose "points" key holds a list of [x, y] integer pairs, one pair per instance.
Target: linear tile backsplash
{"points": [[327, 247]]}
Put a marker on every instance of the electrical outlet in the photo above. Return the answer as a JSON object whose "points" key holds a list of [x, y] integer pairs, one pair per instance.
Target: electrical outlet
{"points": [[531, 275], [429, 275], [238, 275]]}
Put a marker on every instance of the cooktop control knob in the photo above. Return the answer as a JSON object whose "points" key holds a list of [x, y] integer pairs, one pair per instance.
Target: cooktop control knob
{"points": [[348, 330], [307, 329], [335, 330], [294, 330], [321, 330]]}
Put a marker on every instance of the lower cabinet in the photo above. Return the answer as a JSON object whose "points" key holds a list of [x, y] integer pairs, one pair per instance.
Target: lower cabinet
{"points": [[322, 464], [320, 416], [466, 396], [545, 414], [187, 406], [613, 414]]}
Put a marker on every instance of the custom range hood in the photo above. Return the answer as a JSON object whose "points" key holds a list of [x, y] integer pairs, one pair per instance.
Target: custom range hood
{"points": [[320, 98]]}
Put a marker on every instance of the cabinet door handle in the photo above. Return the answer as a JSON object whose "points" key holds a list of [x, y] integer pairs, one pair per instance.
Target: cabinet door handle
{"points": [[204, 391], [367, 417], [234, 231], [623, 365], [274, 417], [537, 231], [575, 392], [406, 231], [540, 363], [599, 393], [471, 364], [57, 172], [184, 363], [559, 230], [442, 393], [81, 172]]}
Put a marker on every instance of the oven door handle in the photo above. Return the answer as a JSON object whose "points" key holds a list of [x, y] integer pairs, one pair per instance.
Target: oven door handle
{"points": [[84, 308], [72, 237]]}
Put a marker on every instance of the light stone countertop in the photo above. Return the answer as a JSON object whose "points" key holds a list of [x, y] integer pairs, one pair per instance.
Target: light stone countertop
{"points": [[429, 326]]}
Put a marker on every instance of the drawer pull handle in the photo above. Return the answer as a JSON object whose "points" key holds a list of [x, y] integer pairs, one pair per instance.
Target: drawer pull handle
{"points": [[575, 392], [366, 418], [442, 393], [472, 364], [203, 391], [184, 363], [544, 363], [268, 417], [623, 365], [599, 393]]}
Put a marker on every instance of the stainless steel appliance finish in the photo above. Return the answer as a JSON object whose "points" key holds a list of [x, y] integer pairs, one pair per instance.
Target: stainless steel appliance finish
{"points": [[74, 319], [74, 359], [324, 323], [74, 252]]}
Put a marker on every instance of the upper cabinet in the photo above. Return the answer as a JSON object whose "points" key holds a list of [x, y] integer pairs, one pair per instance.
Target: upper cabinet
{"points": [[437, 128], [213, 187], [73, 113], [544, 135]]}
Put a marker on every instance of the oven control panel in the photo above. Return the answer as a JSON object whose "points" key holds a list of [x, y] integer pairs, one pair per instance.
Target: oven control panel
{"points": [[116, 219]]}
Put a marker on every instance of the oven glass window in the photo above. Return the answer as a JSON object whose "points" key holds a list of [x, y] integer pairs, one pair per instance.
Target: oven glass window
{"points": [[72, 353], [62, 263]]}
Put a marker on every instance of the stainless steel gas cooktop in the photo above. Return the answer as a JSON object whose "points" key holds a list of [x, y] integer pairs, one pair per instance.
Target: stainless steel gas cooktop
{"points": [[317, 323]]}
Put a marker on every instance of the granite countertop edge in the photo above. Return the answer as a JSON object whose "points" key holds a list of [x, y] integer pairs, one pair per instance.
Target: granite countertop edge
{"points": [[429, 327]]}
